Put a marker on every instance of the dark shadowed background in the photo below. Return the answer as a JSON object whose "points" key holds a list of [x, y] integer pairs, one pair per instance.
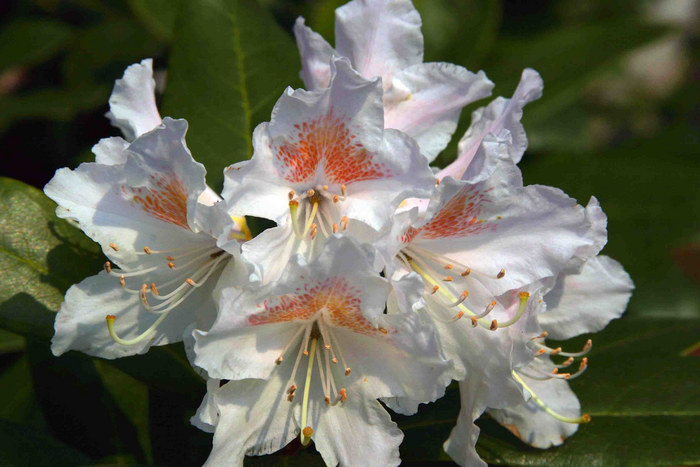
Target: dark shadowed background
{"points": [[619, 120]]}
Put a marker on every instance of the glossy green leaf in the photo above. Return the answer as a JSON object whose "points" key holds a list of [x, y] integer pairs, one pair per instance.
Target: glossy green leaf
{"points": [[40, 257], [26, 43], [229, 64], [157, 15]]}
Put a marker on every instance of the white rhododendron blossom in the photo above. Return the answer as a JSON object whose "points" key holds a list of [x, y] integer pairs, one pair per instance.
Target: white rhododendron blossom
{"points": [[323, 164], [310, 355], [147, 205], [383, 280], [383, 38]]}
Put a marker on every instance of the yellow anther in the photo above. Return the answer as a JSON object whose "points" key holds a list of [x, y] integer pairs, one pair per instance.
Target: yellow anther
{"points": [[171, 265], [147, 250], [190, 282], [108, 267], [447, 279], [466, 272], [114, 247], [501, 273], [343, 395], [435, 289], [154, 289], [122, 281], [494, 325]]}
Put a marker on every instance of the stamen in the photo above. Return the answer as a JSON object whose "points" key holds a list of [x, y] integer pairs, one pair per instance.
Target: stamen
{"points": [[501, 273], [343, 395], [147, 250], [335, 227], [306, 435], [541, 336], [307, 432], [108, 267], [447, 279], [461, 298], [343, 191], [171, 265], [293, 210], [340, 352], [586, 348], [154, 289], [435, 289], [114, 247], [191, 282], [466, 272], [110, 327], [309, 221], [494, 325], [524, 296], [344, 222], [585, 418], [122, 282]]}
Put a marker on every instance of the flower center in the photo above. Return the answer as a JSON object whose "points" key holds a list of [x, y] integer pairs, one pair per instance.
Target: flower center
{"points": [[314, 210], [190, 268], [449, 290]]}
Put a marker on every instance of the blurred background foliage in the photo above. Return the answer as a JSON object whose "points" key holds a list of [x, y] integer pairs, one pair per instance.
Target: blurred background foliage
{"points": [[619, 120]]}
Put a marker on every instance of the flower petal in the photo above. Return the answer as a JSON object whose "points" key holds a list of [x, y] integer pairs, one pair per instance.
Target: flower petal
{"points": [[588, 301], [315, 54], [80, 323], [529, 422], [528, 232], [501, 114], [461, 445], [111, 151], [434, 96], [379, 36], [207, 415], [254, 419], [132, 105], [147, 201], [358, 433]]}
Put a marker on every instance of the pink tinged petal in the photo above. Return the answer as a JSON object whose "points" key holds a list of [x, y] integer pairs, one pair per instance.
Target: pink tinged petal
{"points": [[501, 114], [133, 102], [379, 36], [80, 323], [358, 433], [111, 151], [144, 202], [461, 445], [374, 201], [587, 301], [514, 235], [315, 54], [529, 421], [434, 96]]}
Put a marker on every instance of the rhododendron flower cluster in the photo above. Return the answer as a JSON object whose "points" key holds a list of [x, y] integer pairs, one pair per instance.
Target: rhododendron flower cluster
{"points": [[383, 279]]}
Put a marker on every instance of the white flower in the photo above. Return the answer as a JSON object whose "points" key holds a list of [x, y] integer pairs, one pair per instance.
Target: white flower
{"points": [[322, 163], [311, 354], [383, 38], [142, 202], [589, 292]]}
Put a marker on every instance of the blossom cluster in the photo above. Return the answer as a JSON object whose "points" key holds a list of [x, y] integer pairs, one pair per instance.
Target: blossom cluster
{"points": [[384, 279]]}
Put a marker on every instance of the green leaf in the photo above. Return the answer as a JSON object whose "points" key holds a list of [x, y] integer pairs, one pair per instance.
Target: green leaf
{"points": [[24, 446], [229, 64], [40, 257], [26, 43], [60, 104], [157, 15]]}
